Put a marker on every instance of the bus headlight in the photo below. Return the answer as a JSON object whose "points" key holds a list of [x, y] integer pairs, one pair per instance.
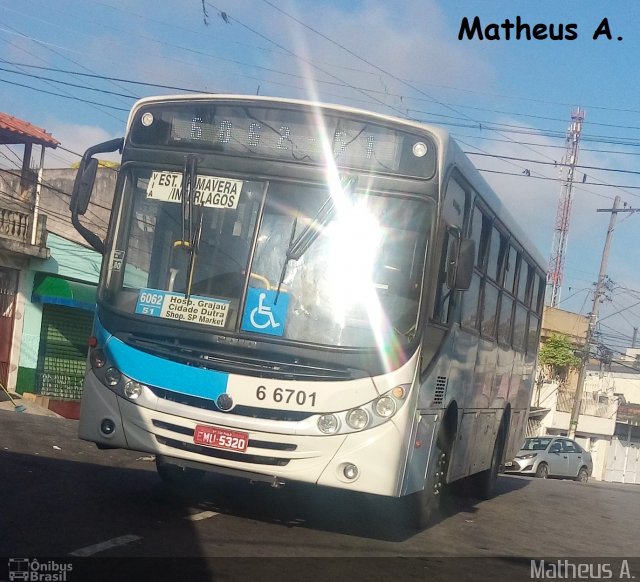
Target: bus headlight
{"points": [[132, 389], [357, 418], [112, 376], [97, 359], [328, 423], [385, 406], [366, 416]]}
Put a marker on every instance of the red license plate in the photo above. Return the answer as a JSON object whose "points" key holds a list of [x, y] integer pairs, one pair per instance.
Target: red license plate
{"points": [[221, 438]]}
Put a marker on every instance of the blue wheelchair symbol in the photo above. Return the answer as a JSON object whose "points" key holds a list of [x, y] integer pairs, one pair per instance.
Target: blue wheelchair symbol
{"points": [[261, 312]]}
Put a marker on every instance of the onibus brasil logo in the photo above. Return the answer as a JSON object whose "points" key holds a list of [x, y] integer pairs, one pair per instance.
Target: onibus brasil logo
{"points": [[32, 570]]}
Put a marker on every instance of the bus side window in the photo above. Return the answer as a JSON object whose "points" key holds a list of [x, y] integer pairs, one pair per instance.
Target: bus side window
{"points": [[525, 276], [470, 298], [511, 260]]}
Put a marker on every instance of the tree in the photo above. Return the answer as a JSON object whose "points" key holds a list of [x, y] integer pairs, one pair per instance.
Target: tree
{"points": [[558, 358]]}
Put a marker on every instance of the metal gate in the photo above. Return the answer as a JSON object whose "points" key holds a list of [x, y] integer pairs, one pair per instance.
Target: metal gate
{"points": [[63, 351], [623, 461], [8, 292]]}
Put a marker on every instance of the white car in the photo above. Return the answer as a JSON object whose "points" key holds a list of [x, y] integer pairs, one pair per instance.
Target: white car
{"points": [[549, 456]]}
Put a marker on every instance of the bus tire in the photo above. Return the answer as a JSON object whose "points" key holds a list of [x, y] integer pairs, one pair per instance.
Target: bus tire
{"points": [[484, 483], [177, 476], [426, 505]]}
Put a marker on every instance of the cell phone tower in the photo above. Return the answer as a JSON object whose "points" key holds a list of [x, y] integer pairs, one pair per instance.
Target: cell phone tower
{"points": [[561, 232]]}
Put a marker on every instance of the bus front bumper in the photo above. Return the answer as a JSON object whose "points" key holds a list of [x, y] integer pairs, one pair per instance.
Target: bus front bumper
{"points": [[376, 456]]}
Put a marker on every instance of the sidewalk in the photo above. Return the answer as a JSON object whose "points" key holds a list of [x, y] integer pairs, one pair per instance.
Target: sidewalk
{"points": [[29, 407]]}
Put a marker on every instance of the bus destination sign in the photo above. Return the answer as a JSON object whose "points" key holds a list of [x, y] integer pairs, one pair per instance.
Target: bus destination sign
{"points": [[210, 192]]}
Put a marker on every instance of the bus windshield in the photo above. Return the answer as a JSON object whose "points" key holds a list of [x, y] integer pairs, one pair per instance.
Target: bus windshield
{"points": [[355, 282]]}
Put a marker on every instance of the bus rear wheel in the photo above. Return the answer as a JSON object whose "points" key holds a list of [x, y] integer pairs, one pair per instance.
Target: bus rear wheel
{"points": [[484, 483], [177, 476], [426, 505]]}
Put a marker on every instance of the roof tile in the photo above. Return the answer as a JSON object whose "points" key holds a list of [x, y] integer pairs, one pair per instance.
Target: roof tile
{"points": [[23, 130]]}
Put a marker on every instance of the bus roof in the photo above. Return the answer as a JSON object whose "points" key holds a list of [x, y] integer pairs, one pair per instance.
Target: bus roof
{"points": [[455, 155]]}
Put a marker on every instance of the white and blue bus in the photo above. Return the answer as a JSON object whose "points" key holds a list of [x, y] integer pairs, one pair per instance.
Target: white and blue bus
{"points": [[298, 292]]}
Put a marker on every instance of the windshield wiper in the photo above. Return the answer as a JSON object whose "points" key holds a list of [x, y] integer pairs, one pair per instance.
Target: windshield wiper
{"points": [[298, 245], [301, 243], [190, 235]]}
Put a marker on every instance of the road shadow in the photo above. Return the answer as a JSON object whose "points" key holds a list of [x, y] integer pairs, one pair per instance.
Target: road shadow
{"points": [[326, 509], [124, 486], [62, 509]]}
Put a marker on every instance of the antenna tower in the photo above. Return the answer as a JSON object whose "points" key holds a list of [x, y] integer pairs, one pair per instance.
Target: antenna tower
{"points": [[567, 170]]}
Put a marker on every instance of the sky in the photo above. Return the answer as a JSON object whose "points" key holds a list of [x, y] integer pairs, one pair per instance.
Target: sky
{"points": [[76, 67]]}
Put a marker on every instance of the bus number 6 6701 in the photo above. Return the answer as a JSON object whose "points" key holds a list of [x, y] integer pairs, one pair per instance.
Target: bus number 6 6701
{"points": [[286, 396]]}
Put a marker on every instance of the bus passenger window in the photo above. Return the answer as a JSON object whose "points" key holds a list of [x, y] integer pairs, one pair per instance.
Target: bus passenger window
{"points": [[510, 270], [532, 334], [489, 310], [520, 328], [524, 282], [470, 303], [538, 294], [506, 316], [493, 266]]}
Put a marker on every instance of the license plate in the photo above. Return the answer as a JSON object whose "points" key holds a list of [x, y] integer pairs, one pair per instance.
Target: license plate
{"points": [[509, 464], [221, 438]]}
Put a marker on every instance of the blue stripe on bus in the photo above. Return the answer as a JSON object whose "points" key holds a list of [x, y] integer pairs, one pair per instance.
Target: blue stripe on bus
{"points": [[162, 373], [100, 332]]}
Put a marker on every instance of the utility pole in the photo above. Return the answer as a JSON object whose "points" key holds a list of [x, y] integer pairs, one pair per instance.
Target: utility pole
{"points": [[561, 233], [593, 317]]}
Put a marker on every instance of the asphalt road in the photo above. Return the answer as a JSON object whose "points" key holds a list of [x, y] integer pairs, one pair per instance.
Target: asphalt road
{"points": [[62, 497]]}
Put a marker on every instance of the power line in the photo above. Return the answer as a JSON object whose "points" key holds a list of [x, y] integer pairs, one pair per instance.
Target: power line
{"points": [[58, 192], [24, 50], [173, 26], [108, 78], [555, 164], [619, 186], [546, 145], [68, 84], [560, 164], [73, 98], [479, 124], [49, 212], [49, 47], [380, 69]]}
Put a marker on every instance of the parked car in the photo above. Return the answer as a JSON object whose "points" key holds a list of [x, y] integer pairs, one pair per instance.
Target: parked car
{"points": [[549, 456]]}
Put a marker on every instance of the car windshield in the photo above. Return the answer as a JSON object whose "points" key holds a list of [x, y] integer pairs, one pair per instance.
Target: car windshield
{"points": [[356, 282], [536, 444]]}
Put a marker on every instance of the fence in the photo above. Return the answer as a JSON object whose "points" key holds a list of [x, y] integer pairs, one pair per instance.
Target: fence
{"points": [[592, 404]]}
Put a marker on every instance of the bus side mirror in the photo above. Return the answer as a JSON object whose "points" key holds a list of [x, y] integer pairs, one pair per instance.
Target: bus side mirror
{"points": [[462, 253], [83, 185]]}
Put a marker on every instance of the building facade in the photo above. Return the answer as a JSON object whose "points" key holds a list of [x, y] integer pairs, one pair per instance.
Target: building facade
{"points": [[609, 420], [22, 227], [48, 277]]}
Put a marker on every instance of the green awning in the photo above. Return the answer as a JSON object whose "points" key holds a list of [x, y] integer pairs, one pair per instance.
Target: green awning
{"points": [[59, 291]]}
